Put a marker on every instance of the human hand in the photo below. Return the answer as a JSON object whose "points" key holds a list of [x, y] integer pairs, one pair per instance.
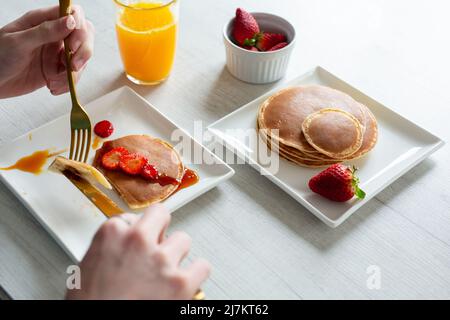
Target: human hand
{"points": [[136, 261], [32, 50]]}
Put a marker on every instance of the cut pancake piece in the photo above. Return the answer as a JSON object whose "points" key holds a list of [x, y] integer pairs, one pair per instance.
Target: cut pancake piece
{"points": [[136, 191], [333, 132], [80, 169], [286, 110]]}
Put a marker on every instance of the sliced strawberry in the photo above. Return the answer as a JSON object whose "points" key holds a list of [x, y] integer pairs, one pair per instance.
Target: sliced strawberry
{"points": [[149, 171], [266, 41], [111, 159], [245, 27], [132, 163], [278, 46], [104, 129], [250, 48]]}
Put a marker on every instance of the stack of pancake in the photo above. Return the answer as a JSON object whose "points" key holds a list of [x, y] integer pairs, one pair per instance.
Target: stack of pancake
{"points": [[316, 126]]}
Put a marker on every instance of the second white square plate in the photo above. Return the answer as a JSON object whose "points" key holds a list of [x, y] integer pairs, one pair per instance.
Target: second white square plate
{"points": [[63, 210], [401, 145]]}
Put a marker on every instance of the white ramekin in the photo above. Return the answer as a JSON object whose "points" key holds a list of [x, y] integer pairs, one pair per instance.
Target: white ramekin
{"points": [[259, 67]]}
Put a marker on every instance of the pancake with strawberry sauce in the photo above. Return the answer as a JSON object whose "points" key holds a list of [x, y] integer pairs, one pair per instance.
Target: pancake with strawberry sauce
{"points": [[135, 190]]}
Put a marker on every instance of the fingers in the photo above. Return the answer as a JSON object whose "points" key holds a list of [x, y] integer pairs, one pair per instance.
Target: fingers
{"points": [[51, 54], [59, 84], [80, 35], [33, 18], [46, 32], [42, 26], [78, 13], [177, 246], [110, 231], [81, 41], [84, 52], [154, 222], [131, 218], [128, 218], [197, 273]]}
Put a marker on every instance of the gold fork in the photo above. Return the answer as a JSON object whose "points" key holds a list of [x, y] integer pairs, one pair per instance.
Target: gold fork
{"points": [[80, 124]]}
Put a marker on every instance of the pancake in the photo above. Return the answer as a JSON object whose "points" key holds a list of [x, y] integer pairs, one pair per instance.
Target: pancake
{"points": [[333, 132], [286, 110], [300, 160], [316, 156], [277, 146], [313, 155], [297, 157], [136, 191], [369, 141], [370, 136], [307, 163], [274, 146], [281, 118]]}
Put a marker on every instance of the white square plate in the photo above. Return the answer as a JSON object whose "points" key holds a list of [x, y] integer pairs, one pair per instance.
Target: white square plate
{"points": [[67, 215], [401, 145]]}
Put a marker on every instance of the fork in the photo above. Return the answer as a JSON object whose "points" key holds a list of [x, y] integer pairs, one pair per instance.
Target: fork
{"points": [[80, 124]]}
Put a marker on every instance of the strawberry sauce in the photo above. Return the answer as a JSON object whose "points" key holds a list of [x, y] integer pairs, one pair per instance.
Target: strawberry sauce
{"points": [[190, 177]]}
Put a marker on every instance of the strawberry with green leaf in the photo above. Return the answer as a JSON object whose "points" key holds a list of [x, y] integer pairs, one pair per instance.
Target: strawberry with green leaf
{"points": [[337, 183], [245, 27]]}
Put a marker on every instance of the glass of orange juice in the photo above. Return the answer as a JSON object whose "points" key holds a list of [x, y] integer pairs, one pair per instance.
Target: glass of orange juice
{"points": [[147, 37]]}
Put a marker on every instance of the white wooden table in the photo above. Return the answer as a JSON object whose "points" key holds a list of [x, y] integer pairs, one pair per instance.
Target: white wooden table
{"points": [[262, 243]]}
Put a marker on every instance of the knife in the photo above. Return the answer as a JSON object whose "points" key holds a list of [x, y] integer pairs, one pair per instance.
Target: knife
{"points": [[97, 197]]}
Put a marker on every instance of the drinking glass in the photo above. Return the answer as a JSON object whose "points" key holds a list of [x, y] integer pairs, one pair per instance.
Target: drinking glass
{"points": [[147, 37]]}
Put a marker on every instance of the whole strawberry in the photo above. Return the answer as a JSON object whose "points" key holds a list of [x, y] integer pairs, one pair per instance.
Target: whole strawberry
{"points": [[266, 41], [337, 183], [104, 129], [245, 27]]}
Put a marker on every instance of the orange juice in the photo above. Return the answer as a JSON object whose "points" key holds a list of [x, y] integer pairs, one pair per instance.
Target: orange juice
{"points": [[147, 36]]}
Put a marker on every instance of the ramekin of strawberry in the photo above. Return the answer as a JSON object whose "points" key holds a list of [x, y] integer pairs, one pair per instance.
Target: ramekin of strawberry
{"points": [[258, 46]]}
